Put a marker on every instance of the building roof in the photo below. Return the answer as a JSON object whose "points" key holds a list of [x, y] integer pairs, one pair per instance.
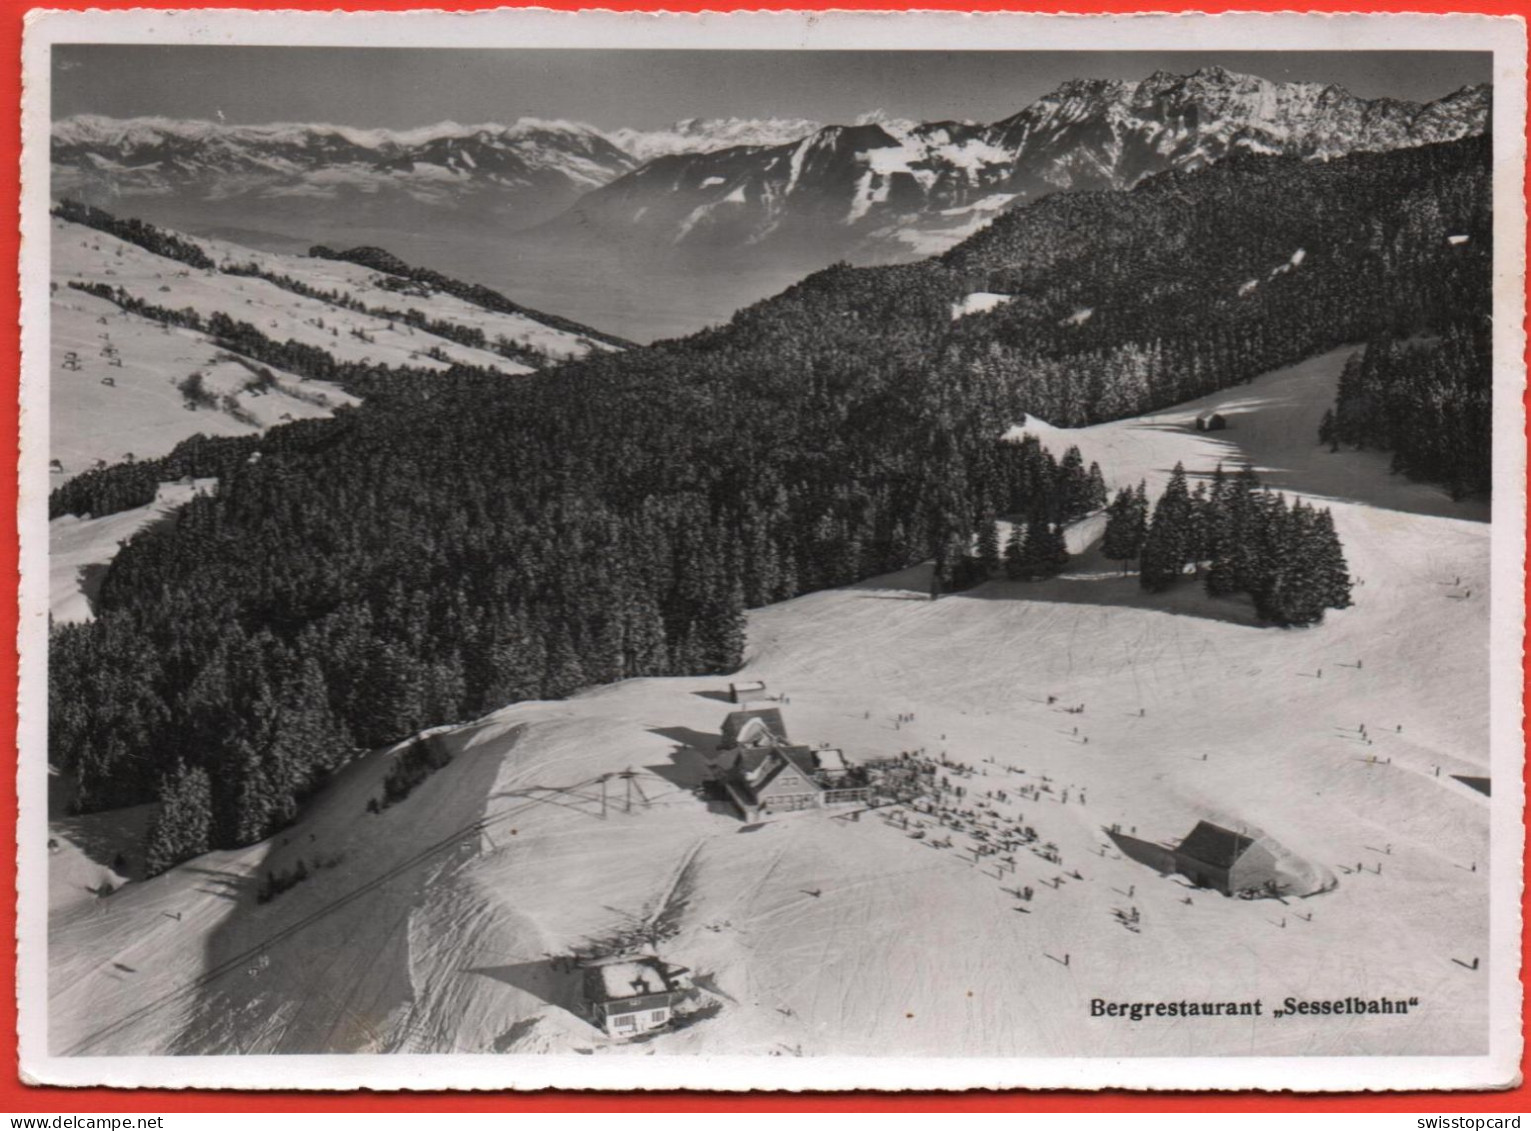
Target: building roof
{"points": [[628, 976], [800, 758], [833, 761], [751, 759], [1215, 845], [803, 760], [736, 721]]}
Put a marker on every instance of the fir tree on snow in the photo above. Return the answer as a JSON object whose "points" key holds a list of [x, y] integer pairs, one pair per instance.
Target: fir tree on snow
{"points": [[988, 544], [1167, 547], [1043, 551], [1126, 524], [182, 825], [1015, 553], [1288, 558]]}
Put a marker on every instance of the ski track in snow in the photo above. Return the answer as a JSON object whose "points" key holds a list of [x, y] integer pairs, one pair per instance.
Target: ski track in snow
{"points": [[505, 857]]}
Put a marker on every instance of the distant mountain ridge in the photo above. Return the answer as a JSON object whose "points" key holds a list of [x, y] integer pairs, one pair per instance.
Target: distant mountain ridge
{"points": [[532, 167], [703, 135]]}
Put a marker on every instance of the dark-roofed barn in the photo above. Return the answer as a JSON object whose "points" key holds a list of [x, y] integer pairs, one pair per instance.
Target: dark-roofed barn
{"points": [[1215, 857]]}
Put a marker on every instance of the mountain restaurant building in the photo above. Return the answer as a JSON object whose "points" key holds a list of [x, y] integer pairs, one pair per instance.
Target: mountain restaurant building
{"points": [[1230, 862], [630, 994]]}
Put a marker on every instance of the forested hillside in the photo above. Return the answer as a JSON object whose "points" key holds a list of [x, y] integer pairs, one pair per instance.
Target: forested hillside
{"points": [[1106, 305], [1428, 401], [446, 553]]}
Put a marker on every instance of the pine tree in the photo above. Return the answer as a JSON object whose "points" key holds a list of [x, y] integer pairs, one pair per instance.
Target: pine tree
{"points": [[1095, 490], [1043, 552], [182, 826], [988, 544], [563, 673], [1289, 591], [1126, 524], [1074, 490], [1198, 536], [1055, 550], [1015, 554], [1328, 432], [1333, 570], [1117, 543], [1167, 546]]}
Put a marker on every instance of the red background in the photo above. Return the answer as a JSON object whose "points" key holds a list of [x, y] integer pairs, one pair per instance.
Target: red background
{"points": [[18, 1097]]}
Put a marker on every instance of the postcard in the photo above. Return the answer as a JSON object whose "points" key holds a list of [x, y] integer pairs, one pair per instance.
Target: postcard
{"points": [[771, 550]]}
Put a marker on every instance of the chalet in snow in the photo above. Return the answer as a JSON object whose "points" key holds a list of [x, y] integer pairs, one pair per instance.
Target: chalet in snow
{"points": [[1230, 862], [1210, 857], [1211, 422], [760, 771], [626, 995]]}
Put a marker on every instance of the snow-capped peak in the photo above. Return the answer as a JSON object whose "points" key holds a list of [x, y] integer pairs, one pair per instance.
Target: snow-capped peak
{"points": [[706, 135]]}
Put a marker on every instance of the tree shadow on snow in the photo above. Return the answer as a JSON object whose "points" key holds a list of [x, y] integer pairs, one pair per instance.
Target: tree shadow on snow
{"points": [[91, 577], [1187, 599], [106, 836], [911, 584]]}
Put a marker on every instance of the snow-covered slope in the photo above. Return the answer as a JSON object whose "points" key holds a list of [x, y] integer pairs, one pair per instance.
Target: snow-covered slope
{"points": [[430, 927], [115, 378], [888, 189]]}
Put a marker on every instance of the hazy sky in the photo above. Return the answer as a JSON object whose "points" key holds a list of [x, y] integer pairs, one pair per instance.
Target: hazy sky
{"points": [[404, 87]]}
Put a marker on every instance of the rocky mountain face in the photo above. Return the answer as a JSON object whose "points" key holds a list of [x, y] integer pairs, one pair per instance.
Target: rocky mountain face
{"points": [[882, 191]]}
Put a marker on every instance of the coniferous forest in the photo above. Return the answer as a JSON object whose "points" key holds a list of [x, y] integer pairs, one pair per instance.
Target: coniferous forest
{"points": [[461, 542], [1428, 400], [1238, 538]]}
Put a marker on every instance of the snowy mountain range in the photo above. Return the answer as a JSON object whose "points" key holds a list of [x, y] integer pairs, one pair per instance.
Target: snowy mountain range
{"points": [[531, 168], [884, 190], [562, 201], [703, 135]]}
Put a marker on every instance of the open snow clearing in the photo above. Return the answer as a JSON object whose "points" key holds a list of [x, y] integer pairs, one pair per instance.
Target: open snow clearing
{"points": [[80, 549], [117, 380], [1068, 706]]}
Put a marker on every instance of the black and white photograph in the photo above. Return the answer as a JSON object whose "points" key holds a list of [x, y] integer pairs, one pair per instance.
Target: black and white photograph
{"points": [[863, 550]]}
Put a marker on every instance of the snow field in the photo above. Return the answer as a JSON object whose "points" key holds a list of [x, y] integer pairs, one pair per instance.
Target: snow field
{"points": [[90, 256], [142, 411], [362, 284]]}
